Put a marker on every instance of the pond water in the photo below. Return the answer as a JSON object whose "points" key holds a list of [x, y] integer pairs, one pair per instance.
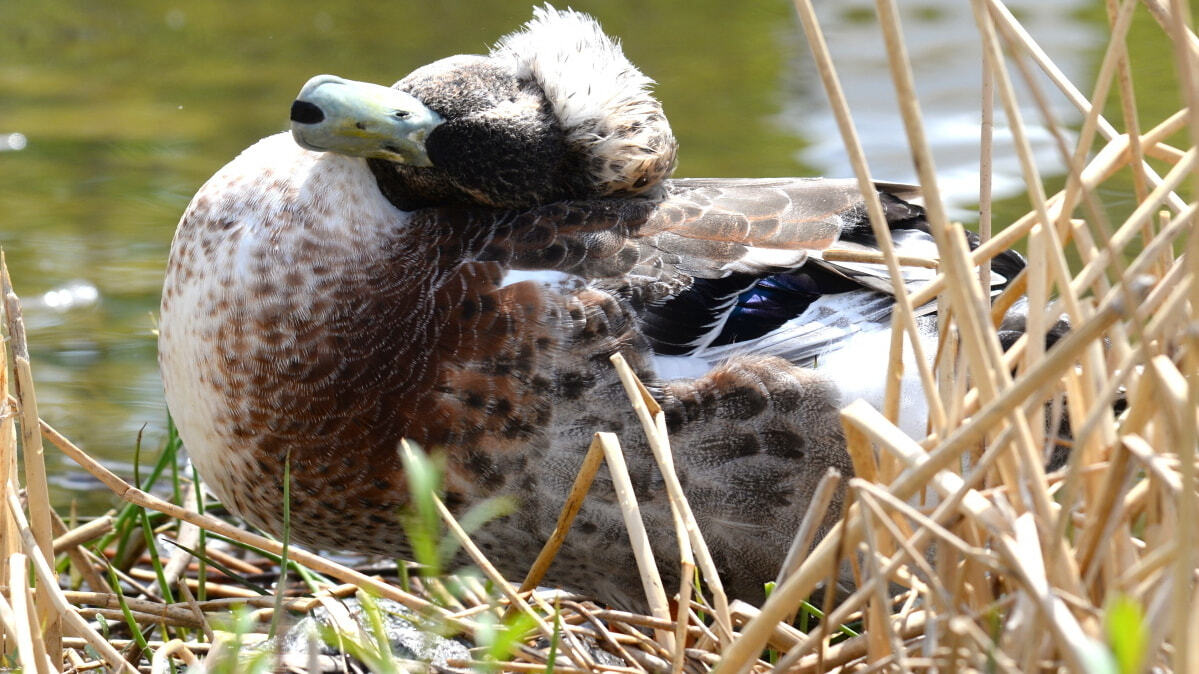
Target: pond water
{"points": [[112, 114]]}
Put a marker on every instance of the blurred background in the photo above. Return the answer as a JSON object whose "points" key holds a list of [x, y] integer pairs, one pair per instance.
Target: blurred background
{"points": [[112, 115]]}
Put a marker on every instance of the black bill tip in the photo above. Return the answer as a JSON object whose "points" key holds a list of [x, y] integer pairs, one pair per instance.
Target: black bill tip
{"points": [[306, 113]]}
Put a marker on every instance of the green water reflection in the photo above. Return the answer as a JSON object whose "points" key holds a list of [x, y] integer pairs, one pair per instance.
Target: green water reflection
{"points": [[129, 106]]}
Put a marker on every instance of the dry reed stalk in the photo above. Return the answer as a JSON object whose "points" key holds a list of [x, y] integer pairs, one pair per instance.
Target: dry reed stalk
{"points": [[843, 611], [806, 533], [10, 625], [1112, 57], [570, 508], [78, 643], [1045, 248], [1084, 242], [843, 255], [37, 487], [904, 305], [30, 646], [903, 316], [650, 413], [187, 539], [691, 540], [985, 158], [1131, 227], [820, 563], [880, 639], [1186, 390], [9, 545], [600, 632], [894, 387], [1128, 109], [626, 498], [146, 618], [50, 591], [987, 362], [190, 600], [172, 613], [84, 533], [965, 296]]}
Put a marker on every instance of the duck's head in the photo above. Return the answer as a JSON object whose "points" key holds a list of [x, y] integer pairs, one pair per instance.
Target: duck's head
{"points": [[361, 119], [554, 111]]}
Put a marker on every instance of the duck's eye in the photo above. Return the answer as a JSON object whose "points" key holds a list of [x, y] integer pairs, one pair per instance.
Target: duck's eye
{"points": [[402, 114]]}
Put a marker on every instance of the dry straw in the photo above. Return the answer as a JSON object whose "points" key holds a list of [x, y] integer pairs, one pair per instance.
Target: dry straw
{"points": [[967, 554]]}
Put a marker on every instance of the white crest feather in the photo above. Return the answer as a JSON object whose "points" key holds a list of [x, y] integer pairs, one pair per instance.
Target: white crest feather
{"points": [[602, 100]]}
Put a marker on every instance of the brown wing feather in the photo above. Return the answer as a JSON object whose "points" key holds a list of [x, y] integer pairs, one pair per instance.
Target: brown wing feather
{"points": [[706, 228], [783, 213]]}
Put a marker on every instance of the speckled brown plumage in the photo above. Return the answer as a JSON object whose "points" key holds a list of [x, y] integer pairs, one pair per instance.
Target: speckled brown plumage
{"points": [[319, 307], [329, 330]]}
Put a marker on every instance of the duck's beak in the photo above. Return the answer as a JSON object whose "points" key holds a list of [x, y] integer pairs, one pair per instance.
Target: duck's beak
{"points": [[360, 119]]}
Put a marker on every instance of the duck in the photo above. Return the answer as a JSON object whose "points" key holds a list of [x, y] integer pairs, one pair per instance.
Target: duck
{"points": [[453, 261]]}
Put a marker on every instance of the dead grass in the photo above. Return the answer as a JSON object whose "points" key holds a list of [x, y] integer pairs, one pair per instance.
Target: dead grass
{"points": [[1001, 567]]}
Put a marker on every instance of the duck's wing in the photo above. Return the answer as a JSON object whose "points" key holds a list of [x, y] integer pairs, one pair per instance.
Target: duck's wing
{"points": [[687, 255], [697, 228]]}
